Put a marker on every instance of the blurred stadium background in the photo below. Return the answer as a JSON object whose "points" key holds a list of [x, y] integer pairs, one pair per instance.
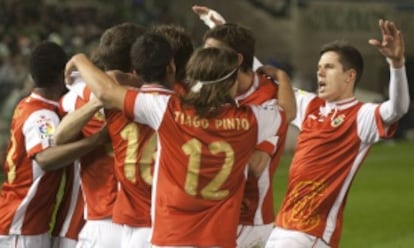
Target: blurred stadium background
{"points": [[289, 33]]}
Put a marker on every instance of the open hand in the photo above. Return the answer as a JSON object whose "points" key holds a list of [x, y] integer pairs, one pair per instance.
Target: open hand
{"points": [[210, 17], [392, 43]]}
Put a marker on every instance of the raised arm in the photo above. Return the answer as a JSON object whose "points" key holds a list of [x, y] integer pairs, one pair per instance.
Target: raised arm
{"points": [[285, 95], [103, 86], [71, 125], [393, 48], [126, 79], [212, 18]]}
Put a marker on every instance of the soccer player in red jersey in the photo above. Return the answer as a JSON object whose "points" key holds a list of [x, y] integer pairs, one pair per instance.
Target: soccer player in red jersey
{"points": [[336, 133], [257, 213], [210, 138], [311, 214], [98, 175], [130, 139], [28, 196], [182, 47], [69, 215], [135, 144]]}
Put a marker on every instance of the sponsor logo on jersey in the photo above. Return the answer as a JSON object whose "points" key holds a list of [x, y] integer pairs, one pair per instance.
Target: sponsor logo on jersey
{"points": [[338, 121]]}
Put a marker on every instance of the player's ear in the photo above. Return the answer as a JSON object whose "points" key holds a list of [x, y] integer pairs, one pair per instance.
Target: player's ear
{"points": [[171, 67], [240, 58], [351, 76]]}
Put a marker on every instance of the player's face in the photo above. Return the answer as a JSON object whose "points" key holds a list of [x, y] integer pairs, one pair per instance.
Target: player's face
{"points": [[334, 83]]}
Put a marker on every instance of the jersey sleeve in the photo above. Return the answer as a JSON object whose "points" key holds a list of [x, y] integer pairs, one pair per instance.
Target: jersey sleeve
{"points": [[269, 119], [67, 102], [79, 88], [399, 99], [303, 98], [269, 145], [145, 108], [370, 126], [38, 131]]}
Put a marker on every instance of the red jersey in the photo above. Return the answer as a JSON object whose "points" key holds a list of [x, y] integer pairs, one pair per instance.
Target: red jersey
{"points": [[69, 217], [28, 195], [134, 146], [333, 142], [98, 182], [257, 205], [180, 88], [199, 174]]}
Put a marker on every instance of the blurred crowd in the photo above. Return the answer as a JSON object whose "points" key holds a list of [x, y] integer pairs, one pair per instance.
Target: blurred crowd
{"points": [[76, 25]]}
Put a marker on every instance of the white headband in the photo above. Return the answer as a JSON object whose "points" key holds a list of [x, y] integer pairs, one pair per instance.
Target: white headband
{"points": [[197, 87]]}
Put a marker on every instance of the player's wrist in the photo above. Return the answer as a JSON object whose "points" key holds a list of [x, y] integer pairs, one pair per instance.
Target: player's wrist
{"points": [[396, 62]]}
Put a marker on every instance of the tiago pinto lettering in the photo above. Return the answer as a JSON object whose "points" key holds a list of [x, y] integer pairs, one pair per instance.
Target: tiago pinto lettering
{"points": [[224, 123]]}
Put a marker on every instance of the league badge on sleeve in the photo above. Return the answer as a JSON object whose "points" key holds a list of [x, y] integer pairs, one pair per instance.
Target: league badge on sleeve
{"points": [[46, 128]]}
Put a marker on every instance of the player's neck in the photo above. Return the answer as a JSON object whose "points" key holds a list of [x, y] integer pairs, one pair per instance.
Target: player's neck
{"points": [[245, 81], [164, 84], [47, 93]]}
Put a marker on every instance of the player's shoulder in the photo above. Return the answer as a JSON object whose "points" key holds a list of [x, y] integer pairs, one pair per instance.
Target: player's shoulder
{"points": [[365, 108], [32, 104]]}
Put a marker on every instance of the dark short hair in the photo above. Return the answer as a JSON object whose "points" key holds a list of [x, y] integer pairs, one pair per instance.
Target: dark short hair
{"points": [[181, 45], [237, 37], [349, 56], [113, 52], [151, 54], [47, 64]]}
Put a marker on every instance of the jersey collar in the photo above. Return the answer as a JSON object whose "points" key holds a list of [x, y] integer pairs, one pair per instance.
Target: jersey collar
{"points": [[342, 104], [158, 87], [41, 98]]}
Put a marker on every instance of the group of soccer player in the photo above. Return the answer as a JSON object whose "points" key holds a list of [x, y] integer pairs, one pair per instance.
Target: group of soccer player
{"points": [[165, 146]]}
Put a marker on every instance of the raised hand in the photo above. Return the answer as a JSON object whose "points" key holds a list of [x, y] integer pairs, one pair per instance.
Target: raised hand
{"points": [[274, 72], [200, 10], [392, 43], [210, 17], [70, 68]]}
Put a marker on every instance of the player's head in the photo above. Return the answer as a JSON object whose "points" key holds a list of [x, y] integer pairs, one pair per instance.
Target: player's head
{"points": [[181, 45], [47, 65], [339, 69], [152, 59], [235, 36], [211, 75], [113, 52]]}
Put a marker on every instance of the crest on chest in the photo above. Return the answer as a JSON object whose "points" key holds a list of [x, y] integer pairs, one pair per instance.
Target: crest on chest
{"points": [[337, 121], [321, 121]]}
